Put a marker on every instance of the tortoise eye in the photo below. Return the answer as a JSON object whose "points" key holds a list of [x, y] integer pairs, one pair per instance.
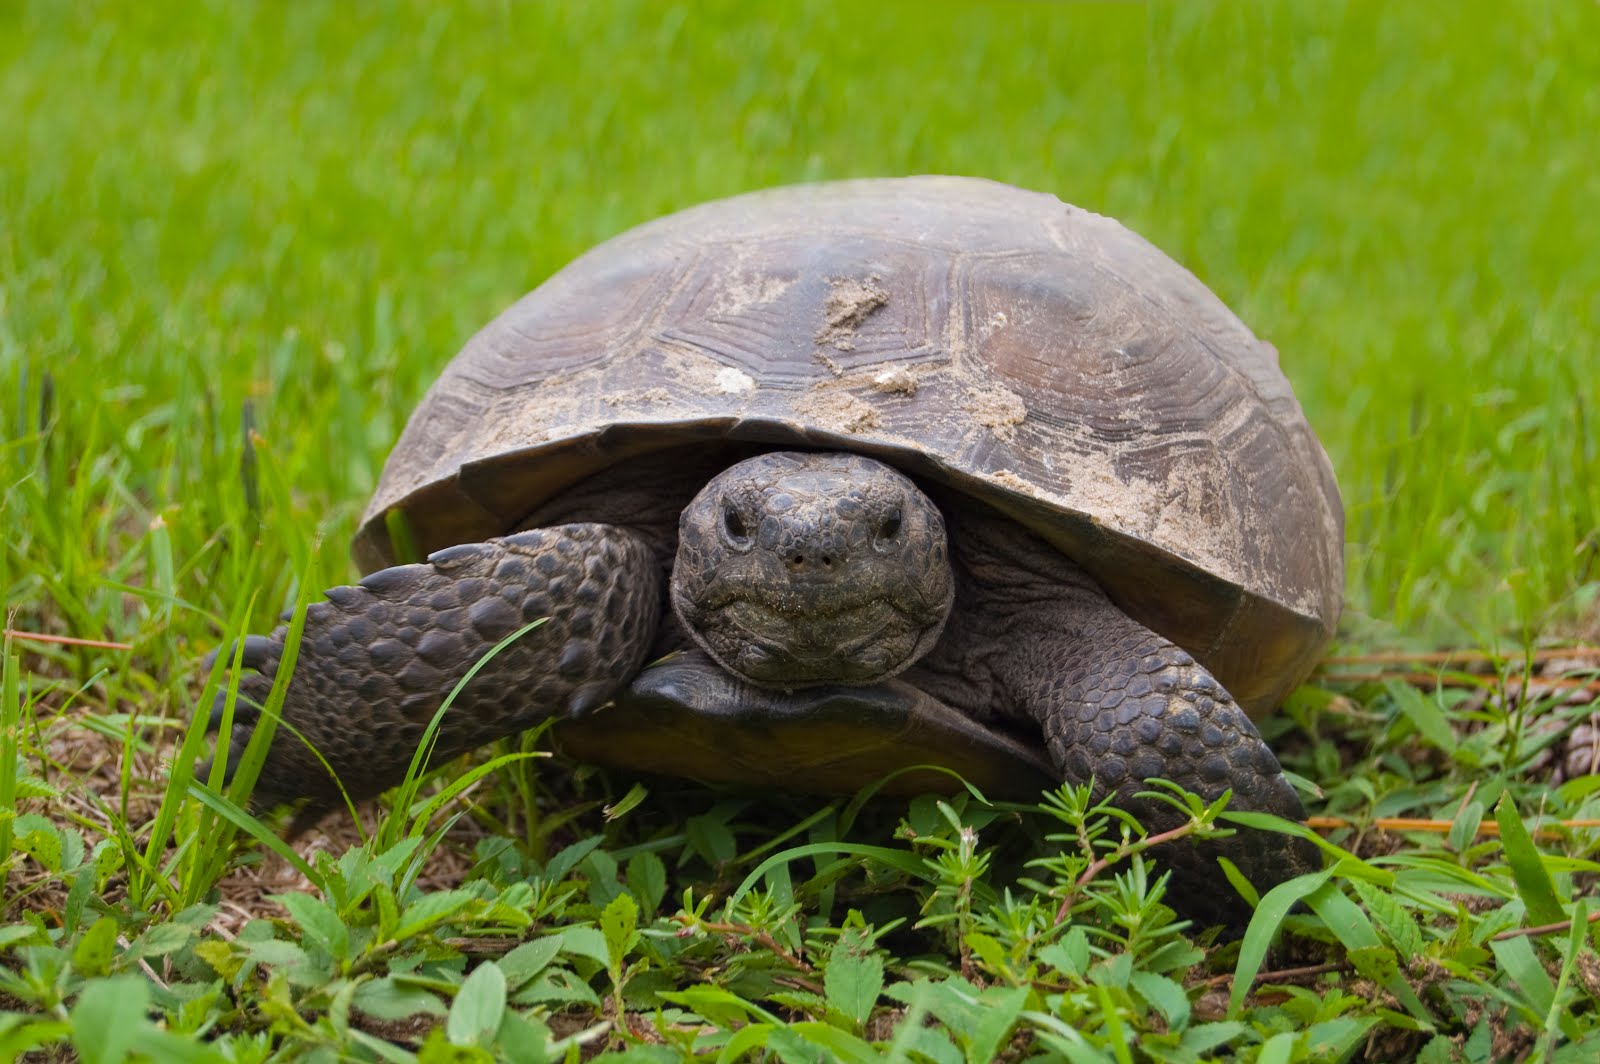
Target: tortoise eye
{"points": [[733, 524]]}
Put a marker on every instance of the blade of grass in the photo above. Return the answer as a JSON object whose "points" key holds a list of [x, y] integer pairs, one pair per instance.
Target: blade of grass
{"points": [[10, 751], [394, 825], [1527, 869]]}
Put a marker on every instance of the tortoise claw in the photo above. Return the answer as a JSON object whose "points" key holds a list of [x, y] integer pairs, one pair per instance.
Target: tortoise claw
{"points": [[253, 691], [256, 652], [259, 650]]}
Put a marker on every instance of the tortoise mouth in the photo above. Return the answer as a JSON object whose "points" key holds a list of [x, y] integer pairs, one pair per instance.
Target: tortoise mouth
{"points": [[855, 645]]}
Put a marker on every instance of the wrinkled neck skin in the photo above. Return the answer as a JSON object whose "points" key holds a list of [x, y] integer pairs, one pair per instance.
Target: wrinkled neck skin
{"points": [[795, 570], [1014, 594]]}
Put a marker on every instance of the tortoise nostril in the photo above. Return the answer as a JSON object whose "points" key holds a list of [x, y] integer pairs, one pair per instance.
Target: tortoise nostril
{"points": [[800, 562]]}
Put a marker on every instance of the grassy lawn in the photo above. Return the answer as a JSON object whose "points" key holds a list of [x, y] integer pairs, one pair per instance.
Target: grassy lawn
{"points": [[237, 242]]}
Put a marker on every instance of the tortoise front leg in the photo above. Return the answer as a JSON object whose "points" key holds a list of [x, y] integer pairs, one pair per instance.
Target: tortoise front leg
{"points": [[1120, 705], [377, 659]]}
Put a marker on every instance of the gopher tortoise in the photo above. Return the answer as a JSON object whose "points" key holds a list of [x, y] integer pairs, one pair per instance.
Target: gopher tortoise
{"points": [[816, 484]]}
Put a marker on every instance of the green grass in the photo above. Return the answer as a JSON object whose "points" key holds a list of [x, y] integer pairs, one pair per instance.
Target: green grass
{"points": [[294, 214]]}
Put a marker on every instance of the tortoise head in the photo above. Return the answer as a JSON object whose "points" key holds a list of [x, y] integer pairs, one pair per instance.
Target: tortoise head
{"points": [[796, 570]]}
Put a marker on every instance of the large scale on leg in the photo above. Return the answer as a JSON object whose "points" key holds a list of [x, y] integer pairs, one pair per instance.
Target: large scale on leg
{"points": [[814, 484]]}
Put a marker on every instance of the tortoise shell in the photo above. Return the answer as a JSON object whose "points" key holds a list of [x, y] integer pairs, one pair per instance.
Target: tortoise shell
{"points": [[1040, 358]]}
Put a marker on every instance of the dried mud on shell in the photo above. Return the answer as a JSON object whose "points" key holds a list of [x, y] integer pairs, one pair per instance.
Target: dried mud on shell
{"points": [[850, 302]]}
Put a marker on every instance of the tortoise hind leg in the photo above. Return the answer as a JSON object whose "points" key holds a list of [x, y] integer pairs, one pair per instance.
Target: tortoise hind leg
{"points": [[377, 659]]}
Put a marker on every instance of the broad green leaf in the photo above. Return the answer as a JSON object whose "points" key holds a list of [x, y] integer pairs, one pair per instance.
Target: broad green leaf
{"points": [[1064, 1039], [645, 1054], [718, 1006], [586, 942], [20, 1035], [107, 1017], [1378, 963], [1177, 955], [1114, 971], [1519, 960], [989, 950], [841, 1045], [1577, 789], [16, 934], [1440, 1049], [523, 1039], [318, 923], [161, 940], [932, 1043], [479, 1006], [1479, 1044], [221, 956], [603, 876], [953, 1001], [647, 878], [711, 838], [430, 910], [529, 959], [1070, 956], [559, 866], [913, 1034], [1424, 713], [390, 999], [1279, 1049], [386, 1051], [559, 986], [1336, 1039], [1165, 995], [273, 951], [999, 1007], [852, 983], [94, 952], [438, 1049], [1396, 921], [798, 1001], [619, 923], [1538, 894], [1203, 1038], [168, 1048], [40, 839], [745, 1041]]}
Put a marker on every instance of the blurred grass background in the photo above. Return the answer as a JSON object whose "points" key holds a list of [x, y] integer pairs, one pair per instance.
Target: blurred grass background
{"points": [[311, 206]]}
